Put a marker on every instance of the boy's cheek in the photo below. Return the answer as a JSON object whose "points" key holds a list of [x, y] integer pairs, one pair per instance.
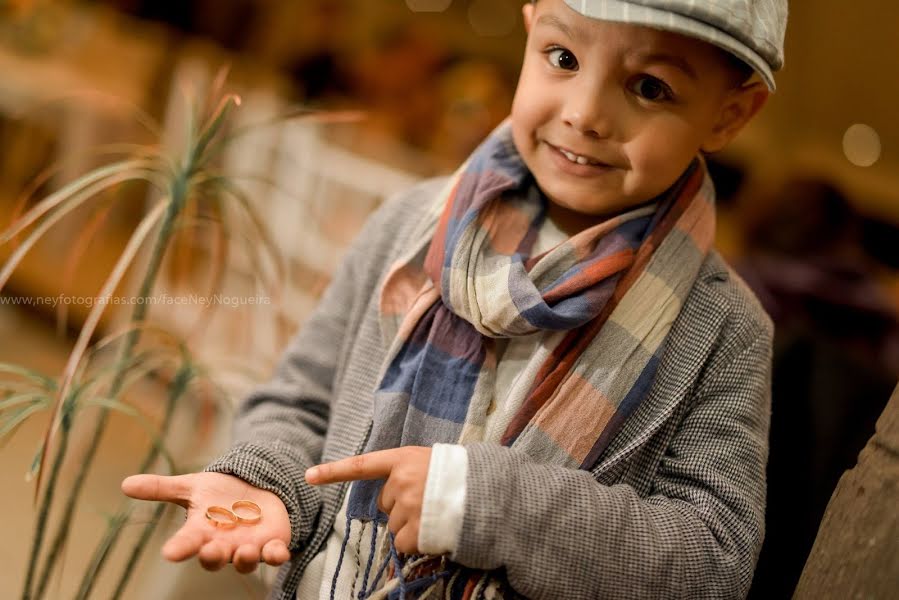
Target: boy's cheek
{"points": [[522, 135]]}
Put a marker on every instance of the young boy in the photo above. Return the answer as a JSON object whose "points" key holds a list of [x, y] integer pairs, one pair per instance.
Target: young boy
{"points": [[540, 378]]}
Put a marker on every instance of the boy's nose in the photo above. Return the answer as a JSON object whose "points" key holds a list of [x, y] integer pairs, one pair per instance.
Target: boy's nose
{"points": [[588, 114]]}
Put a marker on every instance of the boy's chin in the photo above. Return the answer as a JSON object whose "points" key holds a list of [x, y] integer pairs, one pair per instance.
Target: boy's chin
{"points": [[589, 204], [572, 216]]}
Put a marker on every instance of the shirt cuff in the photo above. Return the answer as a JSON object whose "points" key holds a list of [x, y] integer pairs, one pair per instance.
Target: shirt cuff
{"points": [[443, 506]]}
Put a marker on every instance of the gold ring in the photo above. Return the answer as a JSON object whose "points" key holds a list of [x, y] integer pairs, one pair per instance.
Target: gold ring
{"points": [[220, 516], [252, 506]]}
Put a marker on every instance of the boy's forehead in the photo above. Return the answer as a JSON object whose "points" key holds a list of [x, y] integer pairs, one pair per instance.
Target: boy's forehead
{"points": [[751, 30], [637, 41]]}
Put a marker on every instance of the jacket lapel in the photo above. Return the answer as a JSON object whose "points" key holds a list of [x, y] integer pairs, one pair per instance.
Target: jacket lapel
{"points": [[693, 337]]}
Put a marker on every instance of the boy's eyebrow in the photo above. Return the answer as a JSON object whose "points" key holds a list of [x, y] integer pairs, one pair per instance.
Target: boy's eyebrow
{"points": [[671, 59], [580, 35], [575, 33]]}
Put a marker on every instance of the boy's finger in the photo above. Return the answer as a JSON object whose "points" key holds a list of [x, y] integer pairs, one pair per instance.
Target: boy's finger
{"points": [[184, 544], [246, 558], [373, 465], [385, 499], [172, 488], [214, 555], [406, 540], [275, 552]]}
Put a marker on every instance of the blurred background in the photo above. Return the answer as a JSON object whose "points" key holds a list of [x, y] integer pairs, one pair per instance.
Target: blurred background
{"points": [[808, 197]]}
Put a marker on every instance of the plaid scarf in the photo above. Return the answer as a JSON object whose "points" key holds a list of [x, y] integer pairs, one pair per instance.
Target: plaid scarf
{"points": [[615, 288]]}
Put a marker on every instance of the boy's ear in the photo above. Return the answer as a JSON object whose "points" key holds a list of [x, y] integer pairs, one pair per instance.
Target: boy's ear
{"points": [[528, 11], [741, 105]]}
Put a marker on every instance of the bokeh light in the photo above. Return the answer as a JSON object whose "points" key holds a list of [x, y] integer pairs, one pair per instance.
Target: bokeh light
{"points": [[861, 145]]}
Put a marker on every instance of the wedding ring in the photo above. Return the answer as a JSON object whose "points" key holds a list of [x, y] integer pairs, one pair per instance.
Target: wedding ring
{"points": [[244, 506], [221, 517]]}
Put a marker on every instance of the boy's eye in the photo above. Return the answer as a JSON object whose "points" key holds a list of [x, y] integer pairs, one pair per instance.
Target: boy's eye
{"points": [[651, 88], [562, 58]]}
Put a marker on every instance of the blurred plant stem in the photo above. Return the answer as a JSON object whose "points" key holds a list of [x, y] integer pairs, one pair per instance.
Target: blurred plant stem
{"points": [[47, 500], [176, 390], [176, 203], [183, 181], [177, 197]]}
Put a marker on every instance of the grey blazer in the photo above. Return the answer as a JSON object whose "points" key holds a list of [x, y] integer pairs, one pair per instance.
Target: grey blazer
{"points": [[673, 509]]}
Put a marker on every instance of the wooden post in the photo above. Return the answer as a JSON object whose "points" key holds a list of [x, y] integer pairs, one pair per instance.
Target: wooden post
{"points": [[856, 552]]}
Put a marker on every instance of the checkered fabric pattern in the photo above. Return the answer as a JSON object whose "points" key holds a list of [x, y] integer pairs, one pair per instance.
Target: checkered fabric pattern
{"points": [[752, 30], [673, 509]]}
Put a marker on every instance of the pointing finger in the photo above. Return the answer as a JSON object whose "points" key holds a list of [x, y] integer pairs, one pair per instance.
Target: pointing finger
{"points": [[373, 465]]}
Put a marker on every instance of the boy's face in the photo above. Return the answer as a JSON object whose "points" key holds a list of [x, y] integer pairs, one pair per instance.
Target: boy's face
{"points": [[607, 115]]}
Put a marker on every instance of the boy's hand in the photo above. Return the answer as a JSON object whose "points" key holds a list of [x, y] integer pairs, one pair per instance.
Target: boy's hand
{"points": [[405, 470], [243, 544]]}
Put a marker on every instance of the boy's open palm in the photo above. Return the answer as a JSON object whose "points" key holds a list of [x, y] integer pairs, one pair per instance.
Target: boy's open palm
{"points": [[244, 544]]}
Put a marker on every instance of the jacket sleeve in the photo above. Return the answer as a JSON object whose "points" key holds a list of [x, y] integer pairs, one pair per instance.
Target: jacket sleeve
{"points": [[561, 534], [279, 428]]}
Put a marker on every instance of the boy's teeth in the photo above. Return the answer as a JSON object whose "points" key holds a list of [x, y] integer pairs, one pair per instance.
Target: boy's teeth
{"points": [[575, 158]]}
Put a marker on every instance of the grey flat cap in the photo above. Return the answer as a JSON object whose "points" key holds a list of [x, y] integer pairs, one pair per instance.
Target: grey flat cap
{"points": [[751, 30]]}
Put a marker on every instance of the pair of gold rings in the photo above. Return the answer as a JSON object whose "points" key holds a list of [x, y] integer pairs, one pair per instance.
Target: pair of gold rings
{"points": [[242, 511]]}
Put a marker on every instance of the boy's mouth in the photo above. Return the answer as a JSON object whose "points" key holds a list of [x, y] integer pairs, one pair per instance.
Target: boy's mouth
{"points": [[581, 160], [576, 158]]}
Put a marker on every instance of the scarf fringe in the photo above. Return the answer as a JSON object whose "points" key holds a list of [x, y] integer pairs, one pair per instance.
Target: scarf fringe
{"points": [[413, 577], [346, 539]]}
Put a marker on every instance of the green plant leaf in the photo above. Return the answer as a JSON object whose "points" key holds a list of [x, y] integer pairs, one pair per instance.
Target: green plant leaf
{"points": [[70, 204], [152, 357], [23, 398], [75, 252], [300, 113], [221, 398], [264, 235], [220, 254], [141, 419], [35, 463], [114, 524], [155, 162], [167, 338], [128, 254], [213, 127], [90, 375], [11, 422], [72, 189], [98, 97], [140, 371], [42, 381]]}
